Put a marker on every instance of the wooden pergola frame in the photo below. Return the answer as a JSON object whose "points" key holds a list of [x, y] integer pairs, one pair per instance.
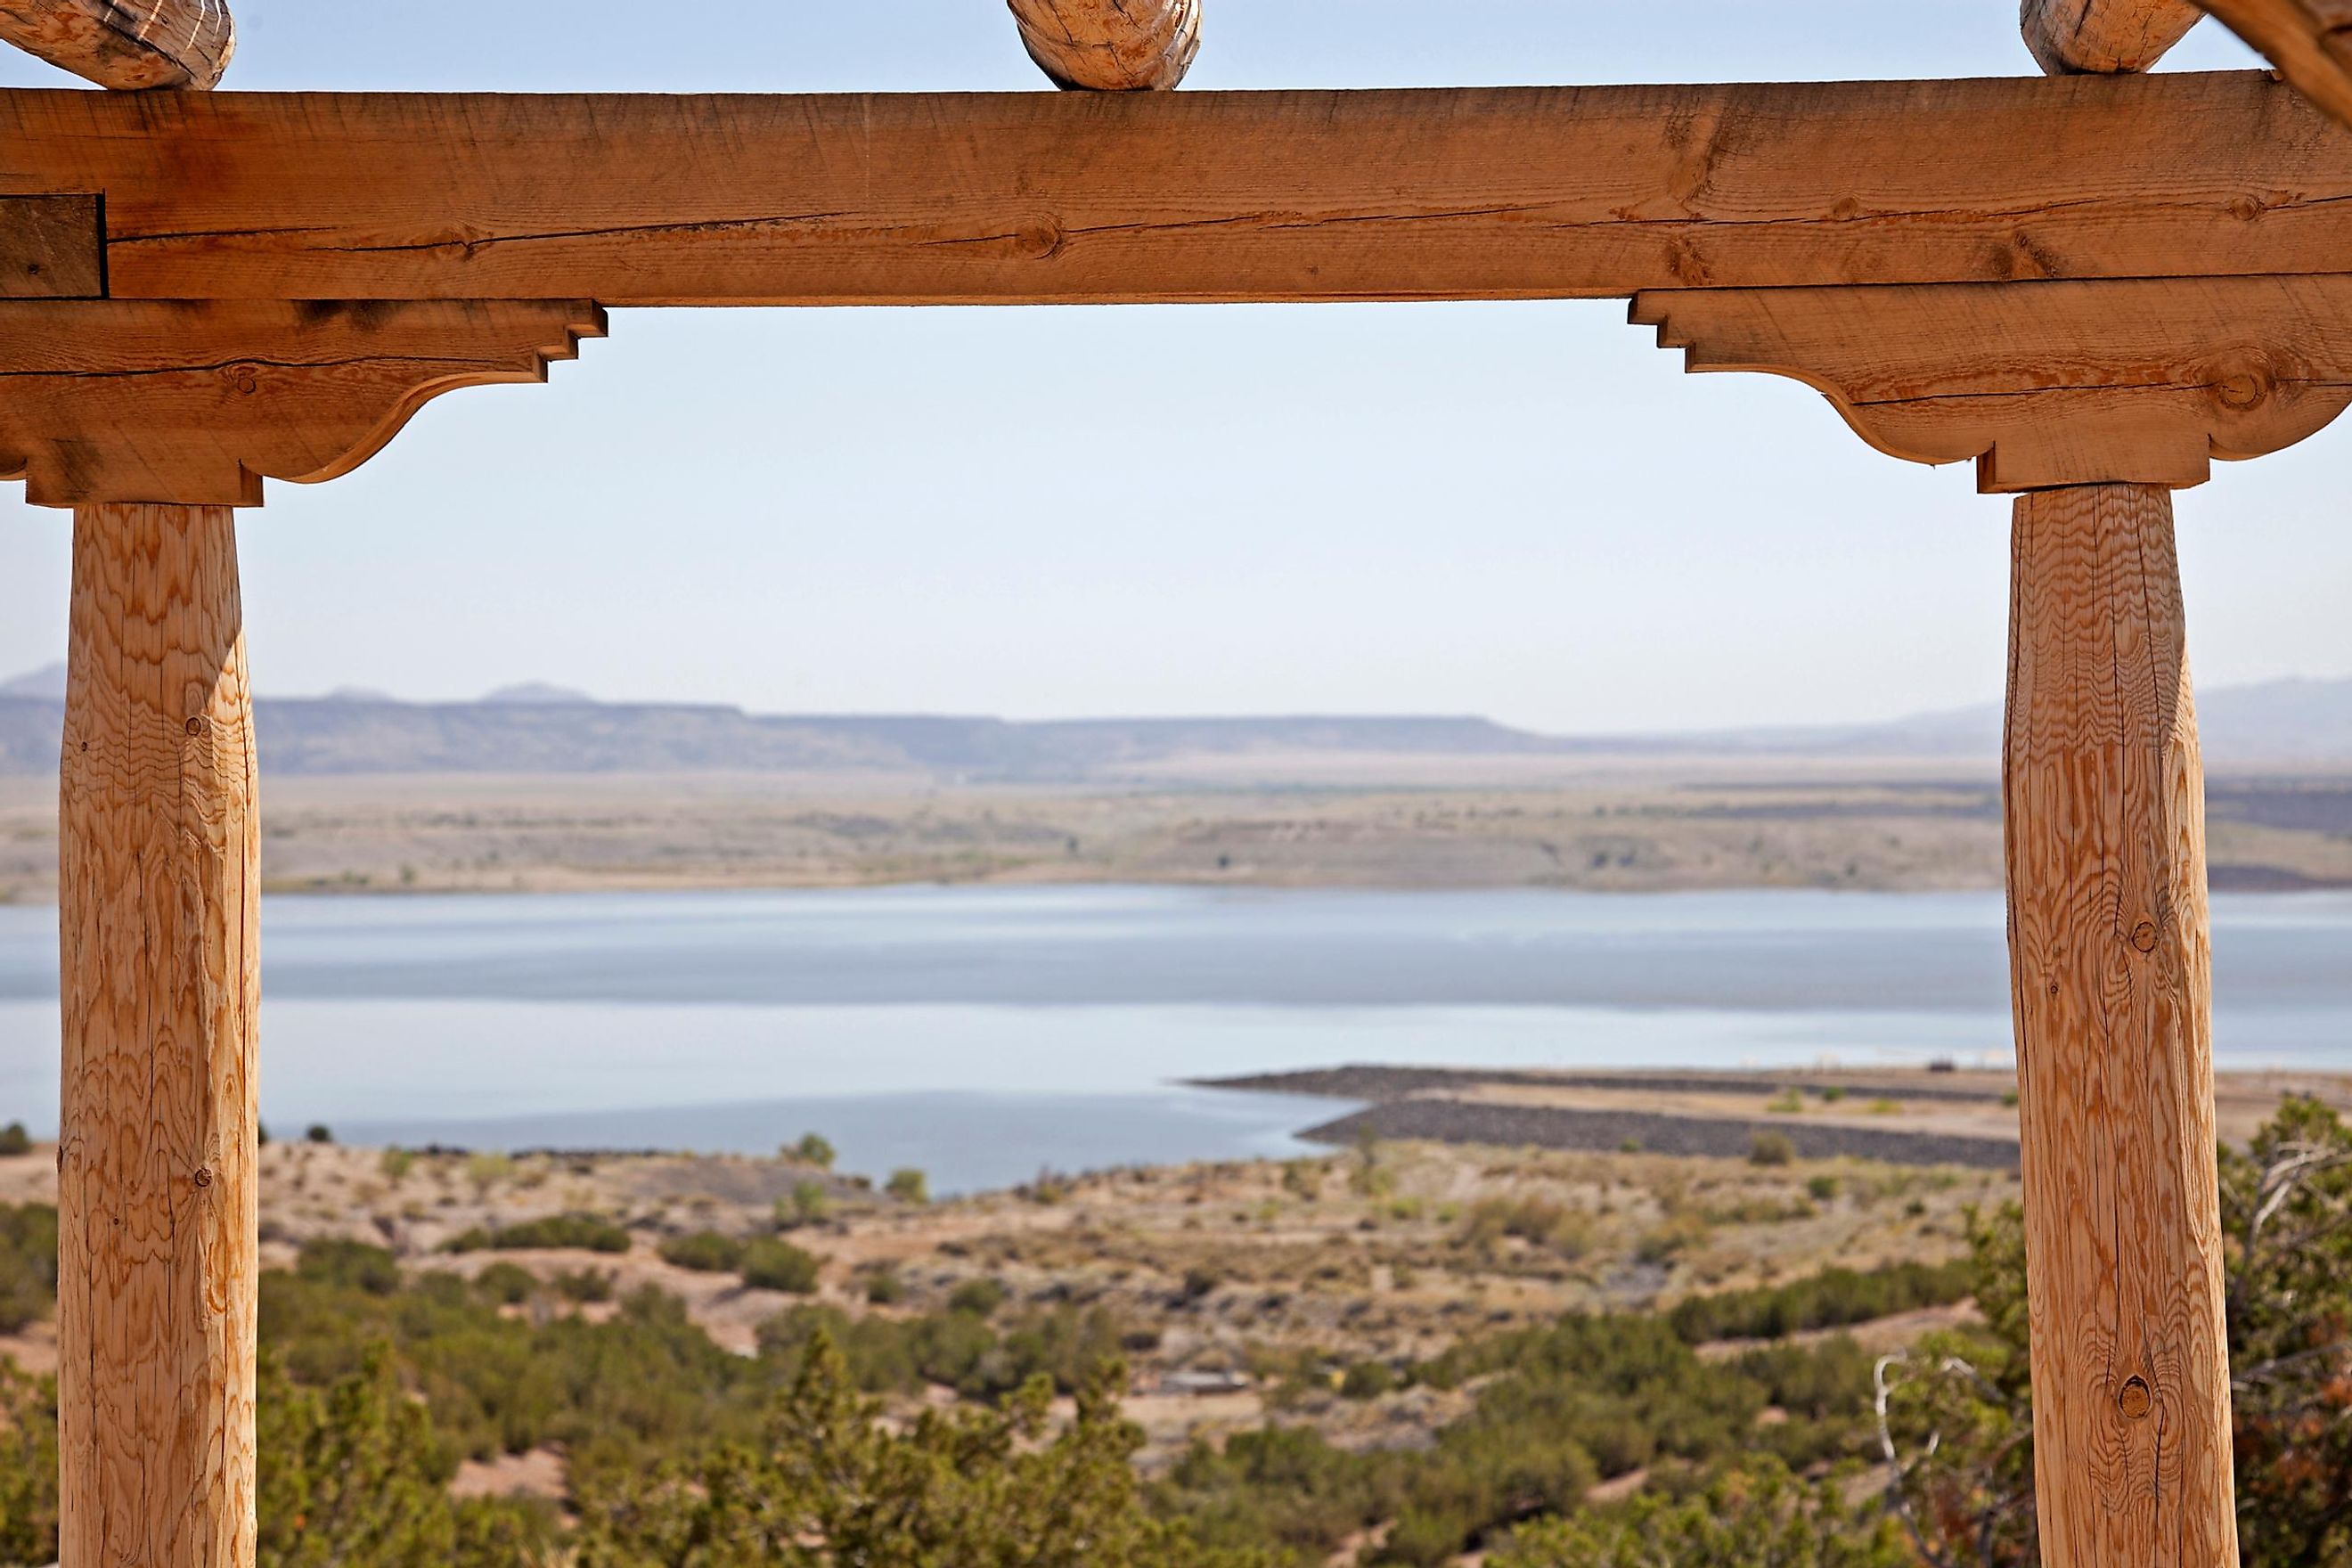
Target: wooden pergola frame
{"points": [[2090, 285]]}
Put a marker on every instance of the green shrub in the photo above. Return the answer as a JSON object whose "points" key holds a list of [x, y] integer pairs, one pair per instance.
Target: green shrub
{"points": [[395, 1163], [352, 1264], [28, 1265], [582, 1285], [318, 1133], [773, 1265], [705, 1252], [1771, 1149], [884, 1288], [508, 1284], [571, 1232], [1830, 1300], [1788, 1103], [1368, 1380], [980, 1298], [909, 1187], [812, 1150], [1822, 1188], [808, 1204], [14, 1139]]}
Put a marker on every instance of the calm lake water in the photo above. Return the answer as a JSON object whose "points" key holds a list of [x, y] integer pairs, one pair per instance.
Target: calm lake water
{"points": [[986, 1033]]}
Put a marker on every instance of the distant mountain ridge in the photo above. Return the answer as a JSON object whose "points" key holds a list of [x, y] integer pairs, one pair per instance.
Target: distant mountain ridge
{"points": [[548, 730]]}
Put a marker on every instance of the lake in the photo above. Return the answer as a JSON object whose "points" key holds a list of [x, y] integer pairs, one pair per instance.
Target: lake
{"points": [[985, 1034]]}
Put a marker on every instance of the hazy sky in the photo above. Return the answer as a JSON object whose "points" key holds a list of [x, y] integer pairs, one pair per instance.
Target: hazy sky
{"points": [[1521, 509]]}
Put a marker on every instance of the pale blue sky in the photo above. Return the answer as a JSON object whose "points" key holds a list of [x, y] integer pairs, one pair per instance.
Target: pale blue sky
{"points": [[1525, 511]]}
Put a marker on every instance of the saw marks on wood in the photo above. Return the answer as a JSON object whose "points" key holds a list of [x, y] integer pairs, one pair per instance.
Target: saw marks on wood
{"points": [[159, 911], [2111, 972]]}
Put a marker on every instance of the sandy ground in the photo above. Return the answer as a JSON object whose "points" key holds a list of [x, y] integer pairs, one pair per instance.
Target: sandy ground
{"points": [[486, 834]]}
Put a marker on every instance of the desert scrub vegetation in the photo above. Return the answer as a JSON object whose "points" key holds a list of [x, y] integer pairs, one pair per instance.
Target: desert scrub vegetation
{"points": [[771, 1265], [1835, 1298], [703, 1251], [1064, 1345], [569, 1232], [28, 1265]]}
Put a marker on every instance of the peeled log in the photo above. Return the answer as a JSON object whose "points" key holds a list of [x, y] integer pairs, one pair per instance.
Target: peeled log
{"points": [[2111, 972], [2103, 37], [126, 44], [1109, 46], [2310, 42], [159, 905]]}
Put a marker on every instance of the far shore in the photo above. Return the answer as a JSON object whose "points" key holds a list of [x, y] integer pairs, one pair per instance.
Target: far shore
{"points": [[1786, 829]]}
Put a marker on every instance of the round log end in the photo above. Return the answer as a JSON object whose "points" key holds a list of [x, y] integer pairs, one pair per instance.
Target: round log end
{"points": [[2103, 38], [1111, 46]]}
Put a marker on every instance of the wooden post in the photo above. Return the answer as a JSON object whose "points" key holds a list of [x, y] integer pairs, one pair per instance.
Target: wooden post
{"points": [[2111, 976], [159, 911]]}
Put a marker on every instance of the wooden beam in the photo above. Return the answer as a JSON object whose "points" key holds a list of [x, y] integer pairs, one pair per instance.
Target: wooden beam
{"points": [[51, 248], [1111, 46], [2104, 36], [126, 44], [1107, 197], [199, 400], [159, 898], [2041, 384], [2310, 41], [2111, 974]]}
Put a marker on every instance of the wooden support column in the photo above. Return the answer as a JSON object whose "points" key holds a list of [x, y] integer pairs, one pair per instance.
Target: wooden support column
{"points": [[159, 911], [2111, 976]]}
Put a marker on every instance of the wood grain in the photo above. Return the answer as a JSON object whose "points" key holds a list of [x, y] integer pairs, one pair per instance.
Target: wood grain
{"points": [[158, 906], [1104, 197], [2310, 41], [2112, 979], [199, 402], [51, 248], [1111, 46], [126, 44], [2104, 36], [2045, 383]]}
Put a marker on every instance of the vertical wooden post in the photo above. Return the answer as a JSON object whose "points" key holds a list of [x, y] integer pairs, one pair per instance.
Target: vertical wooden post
{"points": [[2111, 975], [159, 911]]}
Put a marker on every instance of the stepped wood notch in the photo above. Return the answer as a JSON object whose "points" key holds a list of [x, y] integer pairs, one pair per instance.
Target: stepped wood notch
{"points": [[1111, 46], [126, 44], [2090, 284]]}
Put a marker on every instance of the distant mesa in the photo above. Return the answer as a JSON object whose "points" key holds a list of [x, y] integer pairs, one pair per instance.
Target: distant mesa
{"points": [[47, 684], [538, 694], [2299, 726]]}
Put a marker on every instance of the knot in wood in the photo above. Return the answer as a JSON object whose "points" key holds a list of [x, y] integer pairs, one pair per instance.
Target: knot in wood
{"points": [[2135, 1400], [2143, 936], [244, 379], [1040, 239], [2244, 387], [204, 1177], [195, 726]]}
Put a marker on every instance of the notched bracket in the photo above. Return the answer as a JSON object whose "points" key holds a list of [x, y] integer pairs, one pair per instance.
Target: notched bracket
{"points": [[198, 401], [52, 247], [2044, 384]]}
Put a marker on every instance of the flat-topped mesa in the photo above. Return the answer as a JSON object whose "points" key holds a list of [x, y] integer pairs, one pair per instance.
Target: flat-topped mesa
{"points": [[1111, 46], [2310, 42], [126, 44], [2103, 38]]}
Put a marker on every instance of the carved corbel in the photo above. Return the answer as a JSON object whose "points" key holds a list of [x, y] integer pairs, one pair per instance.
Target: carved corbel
{"points": [[2044, 384], [198, 401]]}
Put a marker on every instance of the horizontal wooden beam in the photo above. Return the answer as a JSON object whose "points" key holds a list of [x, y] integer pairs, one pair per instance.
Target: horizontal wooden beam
{"points": [[196, 402], [1096, 198], [51, 248], [2045, 384], [126, 44], [2310, 41], [2103, 36]]}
